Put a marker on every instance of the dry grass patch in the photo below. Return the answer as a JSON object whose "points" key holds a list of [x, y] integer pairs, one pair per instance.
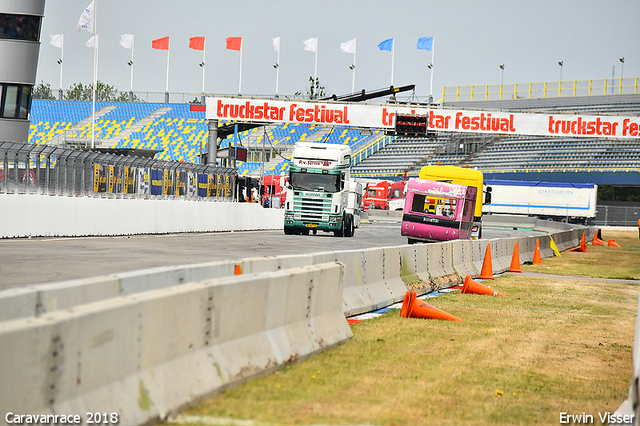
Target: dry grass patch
{"points": [[599, 261], [552, 345]]}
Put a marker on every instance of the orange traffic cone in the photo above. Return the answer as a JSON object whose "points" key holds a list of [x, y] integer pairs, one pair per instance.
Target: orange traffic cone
{"points": [[412, 307], [583, 245], [612, 243], [515, 260], [472, 286], [536, 254], [597, 241], [487, 266]]}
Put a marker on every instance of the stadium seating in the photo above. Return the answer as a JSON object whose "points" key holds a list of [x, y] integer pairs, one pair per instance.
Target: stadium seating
{"points": [[179, 134]]}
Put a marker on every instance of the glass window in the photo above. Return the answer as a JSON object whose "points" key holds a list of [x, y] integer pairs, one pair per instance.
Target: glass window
{"points": [[10, 102], [20, 27], [314, 182], [25, 101]]}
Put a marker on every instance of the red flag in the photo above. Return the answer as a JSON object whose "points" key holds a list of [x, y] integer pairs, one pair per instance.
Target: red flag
{"points": [[196, 43], [161, 43], [234, 43]]}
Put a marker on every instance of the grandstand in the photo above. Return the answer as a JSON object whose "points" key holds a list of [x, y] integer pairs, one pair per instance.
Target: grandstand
{"points": [[179, 134], [600, 161]]}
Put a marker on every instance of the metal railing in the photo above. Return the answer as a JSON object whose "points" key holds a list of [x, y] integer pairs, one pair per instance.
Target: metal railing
{"points": [[52, 170], [553, 89], [371, 149], [607, 215]]}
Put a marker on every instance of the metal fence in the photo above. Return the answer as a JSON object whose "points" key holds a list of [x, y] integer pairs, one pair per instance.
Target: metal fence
{"points": [[617, 215], [51, 170], [553, 89]]}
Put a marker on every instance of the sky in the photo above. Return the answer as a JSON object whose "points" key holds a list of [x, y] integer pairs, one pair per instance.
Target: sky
{"points": [[472, 39]]}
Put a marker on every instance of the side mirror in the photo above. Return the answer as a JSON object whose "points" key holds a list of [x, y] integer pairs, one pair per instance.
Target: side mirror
{"points": [[487, 196]]}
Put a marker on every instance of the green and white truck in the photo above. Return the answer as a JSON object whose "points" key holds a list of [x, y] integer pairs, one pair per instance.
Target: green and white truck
{"points": [[320, 193]]}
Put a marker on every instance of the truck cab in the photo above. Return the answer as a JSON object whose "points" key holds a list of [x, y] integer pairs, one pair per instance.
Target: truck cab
{"points": [[320, 195], [376, 196], [437, 211]]}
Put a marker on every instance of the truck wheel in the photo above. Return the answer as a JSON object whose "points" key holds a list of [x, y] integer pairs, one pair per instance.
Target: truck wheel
{"points": [[340, 232], [348, 226], [288, 231], [304, 232]]}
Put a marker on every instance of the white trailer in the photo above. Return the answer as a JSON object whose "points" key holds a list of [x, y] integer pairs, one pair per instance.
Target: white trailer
{"points": [[566, 202]]}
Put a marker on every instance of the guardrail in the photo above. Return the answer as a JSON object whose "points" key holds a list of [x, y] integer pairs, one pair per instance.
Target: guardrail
{"points": [[117, 343], [550, 89]]}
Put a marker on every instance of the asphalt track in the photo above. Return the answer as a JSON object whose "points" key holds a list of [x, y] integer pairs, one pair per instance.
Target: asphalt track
{"points": [[45, 260]]}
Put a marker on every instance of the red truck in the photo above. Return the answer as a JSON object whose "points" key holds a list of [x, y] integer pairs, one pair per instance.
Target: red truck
{"points": [[376, 196]]}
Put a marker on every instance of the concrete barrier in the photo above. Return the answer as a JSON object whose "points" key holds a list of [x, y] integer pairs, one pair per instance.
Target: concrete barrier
{"points": [[463, 258], [21, 216], [147, 354], [372, 277]]}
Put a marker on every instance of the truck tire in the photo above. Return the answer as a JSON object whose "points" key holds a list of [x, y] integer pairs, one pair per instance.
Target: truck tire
{"points": [[348, 226], [288, 230], [343, 228]]}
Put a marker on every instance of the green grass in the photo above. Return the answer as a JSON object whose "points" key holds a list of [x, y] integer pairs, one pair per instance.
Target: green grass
{"points": [[553, 345]]}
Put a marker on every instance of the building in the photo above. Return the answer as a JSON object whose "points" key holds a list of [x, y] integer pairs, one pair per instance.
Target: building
{"points": [[20, 26]]}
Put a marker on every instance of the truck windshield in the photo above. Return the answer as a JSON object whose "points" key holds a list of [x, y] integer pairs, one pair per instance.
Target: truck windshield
{"points": [[314, 182]]}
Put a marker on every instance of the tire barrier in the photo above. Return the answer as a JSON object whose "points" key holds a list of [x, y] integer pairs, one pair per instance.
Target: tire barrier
{"points": [[145, 355]]}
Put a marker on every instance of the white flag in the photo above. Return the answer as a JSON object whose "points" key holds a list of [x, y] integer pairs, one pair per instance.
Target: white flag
{"points": [[276, 43], [85, 23], [311, 45], [126, 41], [89, 42], [348, 46], [57, 40]]}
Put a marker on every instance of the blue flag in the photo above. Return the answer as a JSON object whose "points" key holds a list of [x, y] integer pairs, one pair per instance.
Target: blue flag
{"points": [[425, 43], [386, 45]]}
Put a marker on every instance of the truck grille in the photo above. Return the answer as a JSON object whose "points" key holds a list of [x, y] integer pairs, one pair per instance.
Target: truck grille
{"points": [[312, 208]]}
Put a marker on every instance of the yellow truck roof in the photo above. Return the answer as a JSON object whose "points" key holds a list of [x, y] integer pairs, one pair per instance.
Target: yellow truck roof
{"points": [[457, 175]]}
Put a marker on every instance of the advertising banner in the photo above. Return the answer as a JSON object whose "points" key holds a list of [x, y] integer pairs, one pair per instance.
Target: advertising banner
{"points": [[129, 180], [439, 119], [192, 184], [143, 181], [99, 178], [181, 177], [203, 185], [156, 182]]}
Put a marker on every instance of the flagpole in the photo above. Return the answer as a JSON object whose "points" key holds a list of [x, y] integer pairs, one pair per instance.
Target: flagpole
{"points": [[315, 70], [131, 86], [204, 54], [95, 73], [353, 78], [240, 79], [433, 50], [278, 68], [166, 90], [61, 67], [393, 50]]}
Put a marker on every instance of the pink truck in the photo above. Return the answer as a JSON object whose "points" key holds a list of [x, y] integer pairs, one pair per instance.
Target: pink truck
{"points": [[437, 211]]}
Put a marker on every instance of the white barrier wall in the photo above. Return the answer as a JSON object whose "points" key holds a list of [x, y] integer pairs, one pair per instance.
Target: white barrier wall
{"points": [[141, 342], [151, 353], [46, 216]]}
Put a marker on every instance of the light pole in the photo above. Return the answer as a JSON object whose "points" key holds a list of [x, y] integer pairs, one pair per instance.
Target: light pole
{"points": [[621, 72], [501, 79], [561, 63]]}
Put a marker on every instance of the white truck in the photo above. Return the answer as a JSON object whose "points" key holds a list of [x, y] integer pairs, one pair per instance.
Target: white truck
{"points": [[566, 202], [320, 194]]}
